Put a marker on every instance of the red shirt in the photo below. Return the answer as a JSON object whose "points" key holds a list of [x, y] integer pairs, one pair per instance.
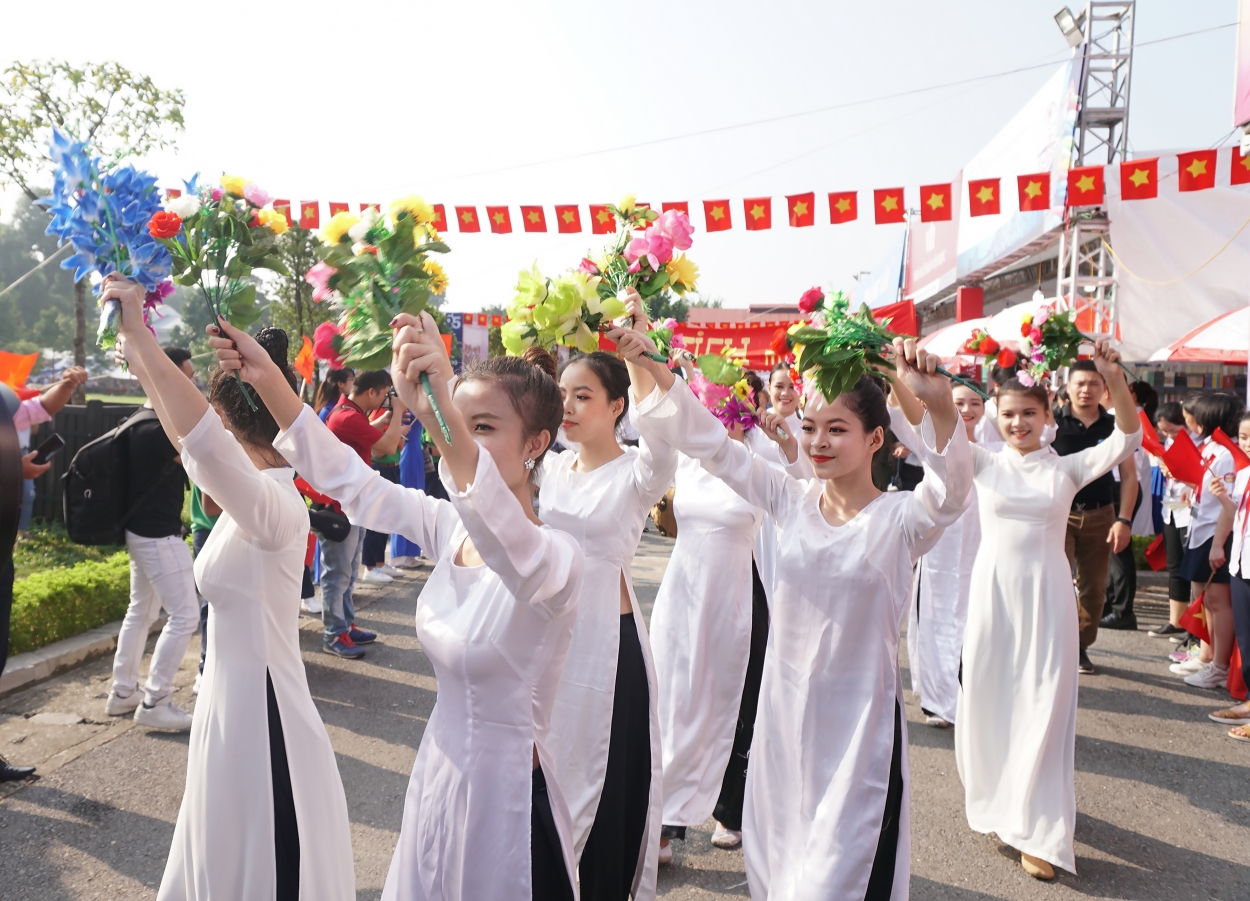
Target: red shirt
{"points": [[351, 426]]}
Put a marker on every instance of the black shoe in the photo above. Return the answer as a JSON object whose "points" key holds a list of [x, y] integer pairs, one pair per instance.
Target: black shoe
{"points": [[1114, 620], [10, 773], [1085, 667], [1169, 631]]}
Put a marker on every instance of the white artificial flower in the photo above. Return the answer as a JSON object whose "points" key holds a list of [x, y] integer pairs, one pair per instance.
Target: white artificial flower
{"points": [[184, 207], [358, 231]]}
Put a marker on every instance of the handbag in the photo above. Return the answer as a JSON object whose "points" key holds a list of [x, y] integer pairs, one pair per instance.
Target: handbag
{"points": [[663, 517], [328, 523]]}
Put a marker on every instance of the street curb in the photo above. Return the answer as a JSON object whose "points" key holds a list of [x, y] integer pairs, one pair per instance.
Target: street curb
{"points": [[43, 663]]}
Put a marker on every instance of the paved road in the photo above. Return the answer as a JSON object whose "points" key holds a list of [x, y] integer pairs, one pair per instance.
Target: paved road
{"points": [[1164, 797]]}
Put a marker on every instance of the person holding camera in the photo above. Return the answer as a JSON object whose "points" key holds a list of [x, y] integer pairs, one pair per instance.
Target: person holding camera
{"points": [[340, 560]]}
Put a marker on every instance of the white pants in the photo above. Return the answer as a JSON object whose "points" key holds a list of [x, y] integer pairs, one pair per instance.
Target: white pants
{"points": [[160, 576]]}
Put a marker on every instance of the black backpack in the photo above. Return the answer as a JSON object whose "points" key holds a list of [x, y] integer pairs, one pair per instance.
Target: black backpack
{"points": [[96, 486]]}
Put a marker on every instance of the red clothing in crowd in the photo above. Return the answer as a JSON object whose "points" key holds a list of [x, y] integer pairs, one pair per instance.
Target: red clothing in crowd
{"points": [[351, 426]]}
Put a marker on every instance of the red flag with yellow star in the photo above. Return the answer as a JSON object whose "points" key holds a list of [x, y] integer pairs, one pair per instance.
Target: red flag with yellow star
{"points": [[1034, 191], [173, 192], [1139, 180], [843, 207], [602, 222], [440, 217], [533, 218], [375, 207], [1085, 186], [983, 197], [935, 203], [309, 214], [716, 212], [500, 220], [680, 205], [1195, 171], [284, 207], [802, 209], [1240, 176], [466, 219], [336, 208], [887, 204], [759, 213], [568, 218]]}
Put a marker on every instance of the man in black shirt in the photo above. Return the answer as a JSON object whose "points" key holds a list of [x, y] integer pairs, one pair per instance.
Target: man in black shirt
{"points": [[1094, 529], [160, 575]]}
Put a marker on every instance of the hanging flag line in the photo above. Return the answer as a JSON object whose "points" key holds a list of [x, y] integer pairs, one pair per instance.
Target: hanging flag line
{"points": [[1139, 180]]}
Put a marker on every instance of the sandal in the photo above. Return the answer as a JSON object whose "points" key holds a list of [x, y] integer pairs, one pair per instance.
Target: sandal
{"points": [[1241, 733], [1231, 717]]}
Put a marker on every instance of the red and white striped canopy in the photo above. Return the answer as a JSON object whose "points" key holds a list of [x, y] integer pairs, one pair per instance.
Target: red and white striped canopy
{"points": [[1225, 339]]}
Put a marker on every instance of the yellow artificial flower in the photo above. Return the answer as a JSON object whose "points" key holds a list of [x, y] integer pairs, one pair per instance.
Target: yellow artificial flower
{"points": [[273, 220], [337, 228], [627, 204], [438, 278], [414, 206], [742, 390], [681, 271], [234, 184], [517, 336], [431, 233]]}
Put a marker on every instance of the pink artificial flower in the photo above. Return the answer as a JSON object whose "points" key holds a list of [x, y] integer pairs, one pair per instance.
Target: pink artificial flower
{"points": [[158, 294], [1042, 314], [1035, 335], [218, 193], [710, 394], [635, 266], [323, 344], [587, 267], [1037, 355], [675, 225], [678, 342], [319, 277], [670, 323], [1025, 379], [256, 195], [811, 299], [656, 246]]}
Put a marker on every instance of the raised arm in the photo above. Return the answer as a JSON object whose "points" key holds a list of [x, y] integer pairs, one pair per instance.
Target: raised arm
{"points": [[944, 493]]}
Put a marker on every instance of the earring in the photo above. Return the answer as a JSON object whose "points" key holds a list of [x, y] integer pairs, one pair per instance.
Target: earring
{"points": [[529, 464]]}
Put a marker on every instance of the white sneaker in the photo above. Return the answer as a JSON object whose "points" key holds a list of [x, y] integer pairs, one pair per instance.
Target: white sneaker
{"points": [[195, 689], [376, 575], [1210, 676], [390, 570], [167, 717], [311, 605], [936, 722], [666, 853], [1192, 665], [120, 705], [726, 838], [404, 562]]}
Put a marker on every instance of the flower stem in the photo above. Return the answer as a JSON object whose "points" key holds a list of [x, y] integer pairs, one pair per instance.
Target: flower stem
{"points": [[438, 414]]}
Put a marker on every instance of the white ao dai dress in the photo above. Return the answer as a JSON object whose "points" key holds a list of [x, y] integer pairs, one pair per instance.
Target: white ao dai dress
{"points": [[604, 510], [1015, 727], [250, 571], [496, 635], [824, 735]]}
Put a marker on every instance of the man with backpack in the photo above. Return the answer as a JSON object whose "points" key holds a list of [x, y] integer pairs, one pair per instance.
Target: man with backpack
{"points": [[160, 572]]}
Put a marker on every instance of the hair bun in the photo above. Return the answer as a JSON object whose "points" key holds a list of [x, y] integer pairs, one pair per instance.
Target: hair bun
{"points": [[275, 341], [540, 358]]}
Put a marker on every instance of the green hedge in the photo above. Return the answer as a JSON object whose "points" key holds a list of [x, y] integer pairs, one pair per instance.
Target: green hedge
{"points": [[60, 603]]}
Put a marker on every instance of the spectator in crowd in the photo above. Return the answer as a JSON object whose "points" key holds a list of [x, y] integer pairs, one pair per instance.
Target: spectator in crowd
{"points": [[337, 385], [1095, 530], [15, 467], [1175, 502], [204, 513], [31, 413], [373, 554], [160, 575], [340, 560], [1122, 570]]}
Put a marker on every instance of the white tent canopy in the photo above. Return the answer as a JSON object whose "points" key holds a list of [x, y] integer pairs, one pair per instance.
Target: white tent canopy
{"points": [[1003, 326], [1224, 339]]}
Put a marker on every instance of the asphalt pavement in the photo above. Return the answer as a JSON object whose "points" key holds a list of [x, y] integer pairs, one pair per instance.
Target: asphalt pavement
{"points": [[1163, 796]]}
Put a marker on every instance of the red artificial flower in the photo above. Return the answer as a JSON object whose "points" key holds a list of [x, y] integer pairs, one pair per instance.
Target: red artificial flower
{"points": [[324, 344], [796, 380], [1025, 328], [164, 224], [988, 346], [811, 299], [1006, 358], [779, 345], [370, 248]]}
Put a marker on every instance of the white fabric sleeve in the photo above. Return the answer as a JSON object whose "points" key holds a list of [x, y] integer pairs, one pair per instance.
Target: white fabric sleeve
{"points": [[1085, 466], [905, 432], [680, 420], [1049, 432], [656, 462], [944, 493], [216, 462], [369, 500], [539, 566], [764, 447]]}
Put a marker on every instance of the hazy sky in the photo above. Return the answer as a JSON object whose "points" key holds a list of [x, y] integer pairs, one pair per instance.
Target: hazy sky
{"points": [[483, 103]]}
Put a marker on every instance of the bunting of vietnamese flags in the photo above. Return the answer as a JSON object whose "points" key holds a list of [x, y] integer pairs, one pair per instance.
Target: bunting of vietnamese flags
{"points": [[336, 208], [935, 203], [1240, 460], [887, 204], [370, 206], [568, 219], [1241, 168], [716, 213], [1034, 191], [602, 222], [440, 217], [802, 209], [983, 197], [309, 214], [1085, 186], [533, 219], [681, 206], [466, 219], [284, 207], [1195, 171], [758, 213], [843, 207], [500, 220], [1139, 180]]}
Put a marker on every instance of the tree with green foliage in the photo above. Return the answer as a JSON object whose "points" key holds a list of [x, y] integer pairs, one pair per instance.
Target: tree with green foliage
{"points": [[118, 111], [39, 312]]}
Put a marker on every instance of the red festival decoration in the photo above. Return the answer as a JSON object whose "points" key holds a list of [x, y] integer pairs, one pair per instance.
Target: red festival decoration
{"points": [[716, 214], [309, 214], [983, 197], [802, 209], [935, 203], [533, 219], [682, 206], [1139, 180], [758, 213], [1034, 191], [1183, 460], [1241, 168], [1085, 186], [1240, 460], [336, 208], [602, 222], [500, 220], [466, 219], [843, 207], [284, 207], [887, 204], [1194, 619], [440, 217], [568, 219], [1195, 171]]}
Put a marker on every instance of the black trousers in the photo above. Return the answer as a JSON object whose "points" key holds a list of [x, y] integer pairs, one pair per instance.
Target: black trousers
{"points": [[1174, 544], [1122, 576], [881, 880], [6, 608], [285, 827], [1241, 622], [610, 858], [374, 553], [548, 874], [728, 811]]}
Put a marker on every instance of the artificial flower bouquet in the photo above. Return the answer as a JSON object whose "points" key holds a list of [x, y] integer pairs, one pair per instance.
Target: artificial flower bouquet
{"points": [[646, 261], [1049, 340], [568, 310], [981, 344], [721, 386], [103, 211]]}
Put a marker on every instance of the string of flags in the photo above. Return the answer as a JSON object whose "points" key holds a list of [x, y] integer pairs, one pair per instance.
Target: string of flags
{"points": [[1139, 180]]}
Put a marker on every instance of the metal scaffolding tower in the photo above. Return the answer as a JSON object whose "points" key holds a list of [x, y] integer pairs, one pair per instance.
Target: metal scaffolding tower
{"points": [[1086, 275]]}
